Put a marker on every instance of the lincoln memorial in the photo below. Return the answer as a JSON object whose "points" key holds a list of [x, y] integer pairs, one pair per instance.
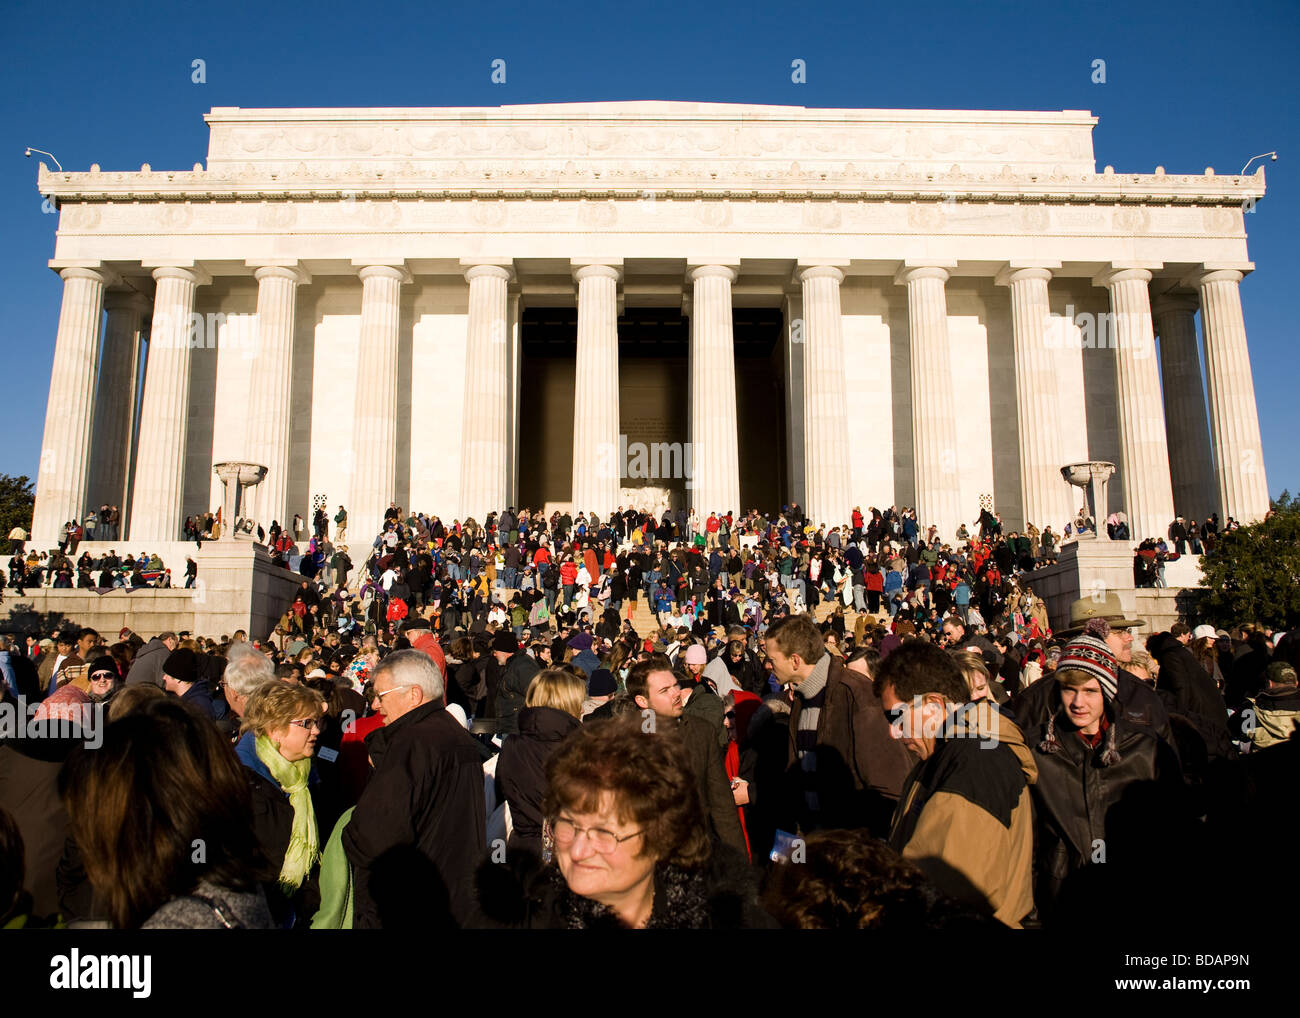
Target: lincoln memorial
{"points": [[649, 303]]}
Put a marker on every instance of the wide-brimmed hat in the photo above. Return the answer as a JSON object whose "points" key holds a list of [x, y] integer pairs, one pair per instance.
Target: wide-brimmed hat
{"points": [[1086, 609]]}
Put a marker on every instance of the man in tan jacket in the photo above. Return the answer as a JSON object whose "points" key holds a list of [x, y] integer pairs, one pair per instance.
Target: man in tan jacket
{"points": [[965, 815]]}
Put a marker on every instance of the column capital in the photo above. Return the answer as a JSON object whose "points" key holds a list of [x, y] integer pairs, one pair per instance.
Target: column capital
{"points": [[596, 270], [1119, 273], [1166, 302], [489, 269], [909, 271], [820, 272], [119, 300], [383, 271], [95, 275], [1015, 273], [279, 270], [1219, 276], [720, 270], [193, 274]]}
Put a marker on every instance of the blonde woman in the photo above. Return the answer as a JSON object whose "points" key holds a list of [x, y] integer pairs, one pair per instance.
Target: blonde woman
{"points": [[281, 725], [552, 711]]}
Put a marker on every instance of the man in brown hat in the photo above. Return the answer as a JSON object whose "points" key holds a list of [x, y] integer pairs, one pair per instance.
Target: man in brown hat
{"points": [[1135, 699]]}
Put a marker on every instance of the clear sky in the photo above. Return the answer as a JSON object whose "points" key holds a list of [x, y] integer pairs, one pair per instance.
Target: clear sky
{"points": [[1188, 85]]}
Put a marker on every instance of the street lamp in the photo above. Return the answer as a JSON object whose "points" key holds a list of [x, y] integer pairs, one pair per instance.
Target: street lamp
{"points": [[41, 151], [1272, 158]]}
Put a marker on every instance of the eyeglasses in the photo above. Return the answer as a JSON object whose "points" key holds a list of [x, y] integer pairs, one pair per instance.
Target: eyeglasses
{"points": [[380, 696], [565, 831], [309, 724]]}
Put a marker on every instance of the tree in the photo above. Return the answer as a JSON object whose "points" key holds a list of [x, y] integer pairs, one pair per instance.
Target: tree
{"points": [[16, 502], [1253, 574]]}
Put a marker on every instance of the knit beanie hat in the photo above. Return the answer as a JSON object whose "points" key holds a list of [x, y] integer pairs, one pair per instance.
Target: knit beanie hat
{"points": [[1094, 656]]}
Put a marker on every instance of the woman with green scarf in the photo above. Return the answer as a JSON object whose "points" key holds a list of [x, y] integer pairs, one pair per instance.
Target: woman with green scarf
{"points": [[281, 725]]}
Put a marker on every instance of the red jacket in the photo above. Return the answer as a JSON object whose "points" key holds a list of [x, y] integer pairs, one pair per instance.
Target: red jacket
{"points": [[568, 573]]}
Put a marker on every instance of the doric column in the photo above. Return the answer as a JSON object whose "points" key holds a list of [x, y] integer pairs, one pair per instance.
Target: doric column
{"points": [[1191, 463], [934, 425], [1144, 470], [597, 462], [715, 457], [65, 450], [159, 490], [374, 428], [1044, 497], [270, 401], [826, 440], [485, 451], [114, 401], [793, 344], [1234, 419]]}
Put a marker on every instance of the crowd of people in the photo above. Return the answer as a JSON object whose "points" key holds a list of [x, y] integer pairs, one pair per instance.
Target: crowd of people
{"points": [[858, 726], [58, 569]]}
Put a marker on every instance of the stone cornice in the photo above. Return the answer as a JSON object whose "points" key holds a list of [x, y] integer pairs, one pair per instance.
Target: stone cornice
{"points": [[577, 184]]}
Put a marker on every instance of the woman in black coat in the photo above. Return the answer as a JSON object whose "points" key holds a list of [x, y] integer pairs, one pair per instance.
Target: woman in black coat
{"points": [[552, 710]]}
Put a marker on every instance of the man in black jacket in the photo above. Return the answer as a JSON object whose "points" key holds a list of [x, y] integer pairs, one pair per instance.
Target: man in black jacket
{"points": [[419, 830], [518, 670], [653, 686]]}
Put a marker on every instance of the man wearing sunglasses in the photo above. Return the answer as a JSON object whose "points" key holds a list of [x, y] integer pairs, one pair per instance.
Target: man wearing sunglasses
{"points": [[964, 815]]}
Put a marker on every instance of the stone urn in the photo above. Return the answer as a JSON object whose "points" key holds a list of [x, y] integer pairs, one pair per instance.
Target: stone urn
{"points": [[1094, 475], [237, 480]]}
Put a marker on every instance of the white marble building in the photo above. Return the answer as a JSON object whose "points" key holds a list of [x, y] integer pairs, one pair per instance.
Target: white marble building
{"points": [[963, 303]]}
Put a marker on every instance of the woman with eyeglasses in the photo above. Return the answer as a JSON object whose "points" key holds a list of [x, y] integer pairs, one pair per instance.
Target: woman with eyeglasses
{"points": [[281, 725], [625, 844]]}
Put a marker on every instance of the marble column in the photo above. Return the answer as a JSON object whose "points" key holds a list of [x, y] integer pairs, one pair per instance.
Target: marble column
{"points": [[270, 401], [597, 461], [826, 439], [65, 450], [1191, 463], [1234, 418], [115, 399], [158, 494], [934, 423], [485, 447], [792, 343], [1144, 466], [715, 457], [1044, 499], [374, 428]]}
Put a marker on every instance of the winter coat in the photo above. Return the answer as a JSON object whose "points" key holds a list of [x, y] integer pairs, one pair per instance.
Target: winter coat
{"points": [[272, 825], [148, 664], [521, 771], [1080, 800], [1187, 689], [1277, 713], [519, 672], [965, 816], [860, 766], [213, 907], [29, 774], [419, 830], [705, 755], [719, 895]]}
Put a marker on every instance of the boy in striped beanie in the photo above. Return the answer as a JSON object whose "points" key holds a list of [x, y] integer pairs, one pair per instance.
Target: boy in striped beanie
{"points": [[1085, 659]]}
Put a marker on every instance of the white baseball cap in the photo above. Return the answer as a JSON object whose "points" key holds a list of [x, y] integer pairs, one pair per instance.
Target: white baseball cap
{"points": [[1203, 632]]}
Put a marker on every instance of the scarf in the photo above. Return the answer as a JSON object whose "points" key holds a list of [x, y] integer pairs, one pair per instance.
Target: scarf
{"points": [[304, 841]]}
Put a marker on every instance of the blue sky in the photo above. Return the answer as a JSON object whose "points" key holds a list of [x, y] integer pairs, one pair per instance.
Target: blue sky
{"points": [[1188, 85]]}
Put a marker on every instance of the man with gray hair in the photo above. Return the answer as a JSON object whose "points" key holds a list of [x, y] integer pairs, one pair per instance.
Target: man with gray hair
{"points": [[419, 830], [245, 672]]}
